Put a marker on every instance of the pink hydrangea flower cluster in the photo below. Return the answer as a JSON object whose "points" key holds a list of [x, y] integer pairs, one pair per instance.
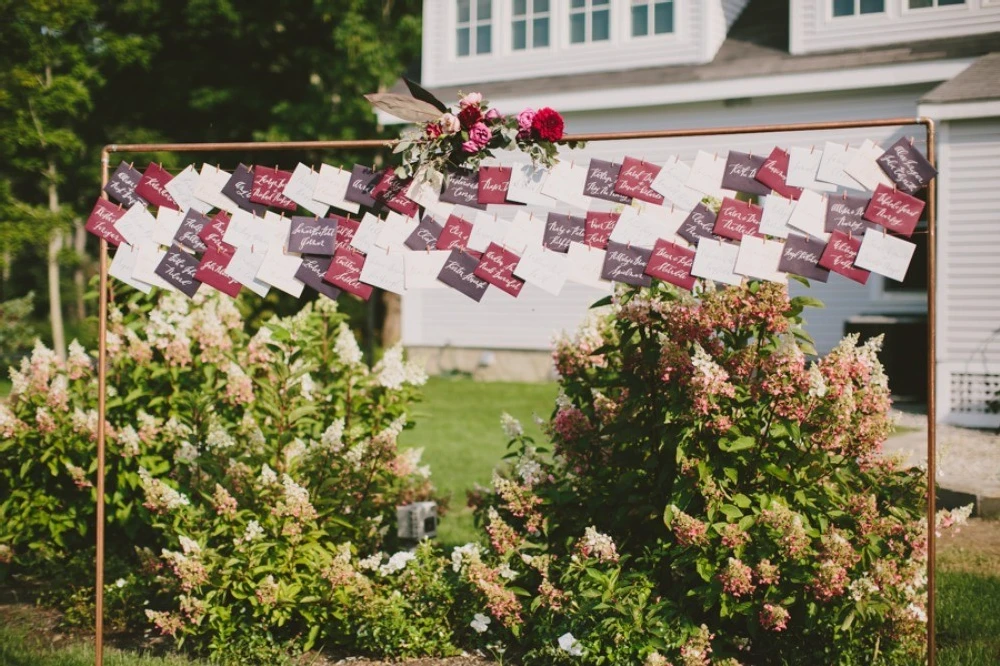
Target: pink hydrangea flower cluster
{"points": [[737, 578], [774, 618], [501, 602], [689, 531]]}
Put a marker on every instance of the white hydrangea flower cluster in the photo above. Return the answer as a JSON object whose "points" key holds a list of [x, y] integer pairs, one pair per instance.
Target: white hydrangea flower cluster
{"points": [[463, 556], [392, 371], [397, 563], [333, 436], [160, 496], [346, 346], [511, 426]]}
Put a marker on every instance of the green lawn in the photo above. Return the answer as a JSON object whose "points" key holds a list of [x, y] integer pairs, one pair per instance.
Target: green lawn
{"points": [[18, 647], [4, 387], [458, 424]]}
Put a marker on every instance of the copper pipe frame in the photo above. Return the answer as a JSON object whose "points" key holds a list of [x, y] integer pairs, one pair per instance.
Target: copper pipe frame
{"points": [[927, 123]]}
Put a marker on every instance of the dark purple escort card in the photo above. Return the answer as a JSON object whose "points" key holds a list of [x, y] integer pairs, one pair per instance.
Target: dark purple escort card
{"points": [[459, 273], [907, 167], [425, 236], [363, 181], [121, 186], [846, 213], [840, 254], [741, 173], [102, 220], [179, 268], [562, 229], [598, 228], [699, 223], [269, 186], [345, 273], [737, 219], [602, 176], [801, 256], [672, 263], [391, 191], [313, 235], [153, 187], [493, 184], [462, 187], [774, 172], [239, 187], [634, 179], [626, 263], [895, 210], [497, 267], [311, 272], [455, 235], [191, 226], [212, 271], [213, 233]]}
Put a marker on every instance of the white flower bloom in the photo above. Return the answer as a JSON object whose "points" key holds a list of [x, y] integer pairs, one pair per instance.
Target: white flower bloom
{"points": [[253, 531], [817, 383], [570, 645], [333, 436], [186, 452], [129, 441], [397, 563], [356, 454], [462, 556], [120, 583], [529, 470], [480, 623], [372, 562], [346, 346], [268, 477], [219, 439], [189, 546], [511, 426], [918, 613], [506, 572]]}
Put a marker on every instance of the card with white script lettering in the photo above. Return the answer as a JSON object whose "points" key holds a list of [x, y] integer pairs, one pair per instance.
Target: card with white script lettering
{"points": [[598, 227], [846, 213], [635, 178], [840, 254], [737, 219], [886, 255], [493, 184], [121, 186], [152, 187], [363, 181], [213, 233], [239, 187], [801, 256], [774, 174], [562, 229], [672, 263], [907, 167], [346, 228], [311, 273], [741, 173], [187, 234], [391, 192], [312, 235], [179, 268], [602, 176], [462, 187], [497, 267], [698, 224], [345, 273], [455, 234], [268, 187], [625, 263], [425, 236], [101, 221], [895, 210], [212, 271], [459, 273]]}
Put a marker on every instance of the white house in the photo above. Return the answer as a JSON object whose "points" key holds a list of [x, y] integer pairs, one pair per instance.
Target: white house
{"points": [[617, 65]]}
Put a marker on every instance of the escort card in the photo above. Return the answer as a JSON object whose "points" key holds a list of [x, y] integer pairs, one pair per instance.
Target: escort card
{"points": [[836, 157], [864, 168], [543, 268], [455, 234], [215, 231], [425, 236], [331, 189], [624, 263], [191, 226], [845, 214], [670, 182], [123, 265], [601, 179], [368, 230], [525, 231], [894, 210], [698, 224], [459, 273], [810, 214], [585, 265], [311, 273], [385, 270], [243, 267], [565, 183], [394, 231], [153, 187], [212, 271], [774, 219], [644, 228], [801, 256], [741, 173], [301, 187], [886, 255], [280, 266], [462, 187], [839, 257], [758, 258], [168, 221], [907, 167], [101, 221], [774, 174], [716, 260], [246, 230], [391, 191], [310, 235], [526, 182], [345, 273], [346, 228], [359, 188], [181, 189], [803, 163], [148, 258], [179, 268], [497, 267], [635, 178], [136, 225], [240, 187], [493, 184], [672, 263], [488, 229], [706, 173], [268, 186], [561, 230], [737, 219], [121, 186], [598, 227], [209, 187], [422, 269]]}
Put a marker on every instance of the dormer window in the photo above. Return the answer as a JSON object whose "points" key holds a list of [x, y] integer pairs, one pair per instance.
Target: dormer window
{"points": [[589, 21], [652, 17], [473, 27], [856, 7], [921, 4], [530, 25]]}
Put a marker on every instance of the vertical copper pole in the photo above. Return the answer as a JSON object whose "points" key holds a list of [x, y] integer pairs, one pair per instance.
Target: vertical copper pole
{"points": [[931, 393], [102, 372]]}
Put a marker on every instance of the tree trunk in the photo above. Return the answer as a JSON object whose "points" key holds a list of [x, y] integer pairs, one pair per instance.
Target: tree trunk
{"points": [[79, 275], [55, 246], [392, 323]]}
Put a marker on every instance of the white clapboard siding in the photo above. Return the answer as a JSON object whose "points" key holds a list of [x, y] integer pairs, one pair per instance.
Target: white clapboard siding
{"points": [[813, 28]]}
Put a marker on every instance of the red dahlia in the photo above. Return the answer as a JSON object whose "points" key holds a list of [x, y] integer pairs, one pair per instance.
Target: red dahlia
{"points": [[547, 125], [470, 115]]}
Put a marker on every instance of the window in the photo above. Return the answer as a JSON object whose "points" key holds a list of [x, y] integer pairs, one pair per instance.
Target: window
{"points": [[589, 21], [854, 7], [530, 27], [920, 4], [474, 27], [652, 17]]}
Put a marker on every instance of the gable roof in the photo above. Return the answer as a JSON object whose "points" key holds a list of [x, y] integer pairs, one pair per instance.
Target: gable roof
{"points": [[979, 82]]}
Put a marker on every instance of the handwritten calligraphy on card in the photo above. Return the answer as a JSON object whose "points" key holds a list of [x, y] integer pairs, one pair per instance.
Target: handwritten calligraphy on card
{"points": [[737, 219], [497, 267], [179, 268], [598, 227], [886, 255], [191, 226], [907, 167], [635, 178], [774, 174], [121, 186], [602, 176], [672, 263], [840, 254], [459, 273], [626, 263], [846, 213], [562, 229], [101, 221], [699, 223], [239, 188], [213, 233], [269, 186], [741, 173], [311, 235], [801, 256], [462, 187], [359, 189], [311, 272], [152, 187], [345, 273], [493, 184], [895, 210], [425, 236]]}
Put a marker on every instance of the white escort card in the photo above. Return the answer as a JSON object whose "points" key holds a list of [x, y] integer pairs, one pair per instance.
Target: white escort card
{"points": [[758, 258], [280, 266], [836, 157], [211, 180], [525, 230], [486, 229], [386, 270], [810, 215], [643, 227], [777, 211], [136, 225], [885, 254], [123, 265], [148, 257], [544, 269], [368, 231], [706, 173], [245, 264], [584, 266], [670, 182], [301, 187], [864, 167], [168, 221], [331, 186], [181, 188], [566, 183], [716, 260], [422, 269], [394, 231], [803, 163], [526, 182]]}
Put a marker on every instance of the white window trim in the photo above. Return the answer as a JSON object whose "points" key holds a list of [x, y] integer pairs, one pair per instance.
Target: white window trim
{"points": [[566, 43], [935, 9], [887, 11], [627, 23], [453, 32], [507, 16]]}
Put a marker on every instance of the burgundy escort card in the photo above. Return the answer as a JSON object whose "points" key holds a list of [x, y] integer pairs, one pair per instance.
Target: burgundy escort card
{"points": [[102, 220], [363, 181], [839, 255], [212, 271], [497, 267], [346, 228], [493, 184], [741, 173], [121, 186], [345, 273], [846, 213], [602, 176], [699, 223], [178, 268], [269, 186], [462, 187], [773, 173], [313, 235], [801, 256], [563, 229], [311, 272], [391, 191], [191, 226], [634, 180], [672, 263], [459, 273], [213, 233], [239, 187], [455, 234], [598, 227], [425, 236], [895, 210], [907, 167], [153, 187], [626, 263], [737, 219]]}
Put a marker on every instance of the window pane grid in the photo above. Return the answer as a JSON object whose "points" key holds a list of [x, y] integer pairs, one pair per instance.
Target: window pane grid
{"points": [[530, 25], [589, 21], [652, 17], [473, 27], [855, 7]]}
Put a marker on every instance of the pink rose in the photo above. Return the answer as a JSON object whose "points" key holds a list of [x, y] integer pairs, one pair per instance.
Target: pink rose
{"points": [[525, 118], [450, 123], [472, 99], [481, 134], [493, 114], [471, 146]]}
